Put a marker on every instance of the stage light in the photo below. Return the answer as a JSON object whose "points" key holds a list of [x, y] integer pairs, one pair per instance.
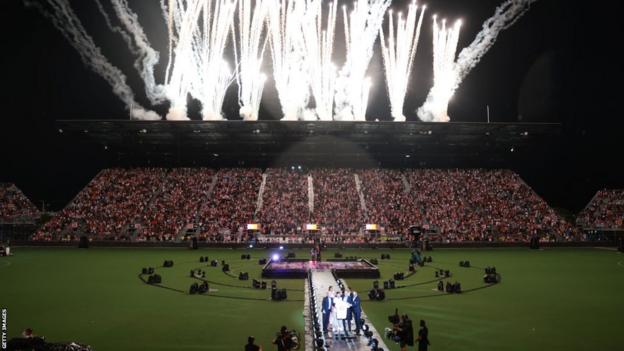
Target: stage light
{"points": [[275, 257], [251, 246], [281, 248]]}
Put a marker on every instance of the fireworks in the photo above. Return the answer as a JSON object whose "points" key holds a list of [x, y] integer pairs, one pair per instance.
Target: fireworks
{"points": [[444, 72], [300, 35], [251, 45], [449, 79], [288, 52], [361, 27], [198, 32], [398, 55], [319, 46]]}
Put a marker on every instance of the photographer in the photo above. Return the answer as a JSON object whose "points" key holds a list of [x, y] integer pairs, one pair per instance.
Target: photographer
{"points": [[283, 340], [251, 346], [405, 333], [423, 337]]}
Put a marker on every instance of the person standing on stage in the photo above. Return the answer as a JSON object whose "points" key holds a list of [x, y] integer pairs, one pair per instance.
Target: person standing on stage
{"points": [[326, 309], [356, 311], [348, 298], [339, 315], [423, 337]]}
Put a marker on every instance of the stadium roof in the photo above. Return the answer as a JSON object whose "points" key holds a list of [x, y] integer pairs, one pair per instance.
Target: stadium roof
{"points": [[353, 144]]}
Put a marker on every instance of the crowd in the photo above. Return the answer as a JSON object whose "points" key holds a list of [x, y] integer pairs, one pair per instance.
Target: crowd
{"points": [[15, 206], [177, 204], [231, 206], [285, 209], [481, 205], [605, 211], [336, 201], [110, 207], [454, 205], [387, 199]]}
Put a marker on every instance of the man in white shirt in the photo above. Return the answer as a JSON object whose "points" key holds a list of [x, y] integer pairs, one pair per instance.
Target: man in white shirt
{"points": [[341, 312]]}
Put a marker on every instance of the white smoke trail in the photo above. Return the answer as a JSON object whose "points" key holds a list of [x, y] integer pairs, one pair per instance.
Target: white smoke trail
{"points": [[398, 55], [65, 20], [139, 44], [288, 54], [435, 107], [251, 45], [362, 26], [319, 46]]}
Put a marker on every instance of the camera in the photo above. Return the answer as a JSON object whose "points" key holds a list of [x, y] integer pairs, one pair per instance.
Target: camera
{"points": [[394, 318]]}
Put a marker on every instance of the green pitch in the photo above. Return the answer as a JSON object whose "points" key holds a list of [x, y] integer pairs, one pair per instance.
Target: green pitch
{"points": [[555, 299]]}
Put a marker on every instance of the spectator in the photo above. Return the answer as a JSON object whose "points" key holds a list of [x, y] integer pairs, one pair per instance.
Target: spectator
{"points": [[251, 346]]}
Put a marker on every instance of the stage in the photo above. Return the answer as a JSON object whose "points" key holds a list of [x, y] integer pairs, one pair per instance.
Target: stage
{"points": [[298, 269]]}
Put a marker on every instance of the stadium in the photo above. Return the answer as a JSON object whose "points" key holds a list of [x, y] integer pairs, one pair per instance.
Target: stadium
{"points": [[311, 175]]}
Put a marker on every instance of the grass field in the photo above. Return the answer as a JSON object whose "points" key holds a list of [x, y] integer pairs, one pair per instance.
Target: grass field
{"points": [[555, 299]]}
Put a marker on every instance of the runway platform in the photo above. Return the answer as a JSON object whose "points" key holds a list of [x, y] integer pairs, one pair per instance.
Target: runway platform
{"points": [[321, 280]]}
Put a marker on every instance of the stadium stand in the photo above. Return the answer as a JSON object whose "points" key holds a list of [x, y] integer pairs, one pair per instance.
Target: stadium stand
{"points": [[162, 205], [15, 207], [605, 211]]}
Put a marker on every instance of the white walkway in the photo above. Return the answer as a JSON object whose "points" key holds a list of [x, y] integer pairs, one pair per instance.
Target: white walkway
{"points": [[322, 280]]}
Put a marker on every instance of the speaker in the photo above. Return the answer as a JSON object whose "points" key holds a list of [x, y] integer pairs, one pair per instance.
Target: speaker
{"points": [[278, 294], [83, 243], [154, 279]]}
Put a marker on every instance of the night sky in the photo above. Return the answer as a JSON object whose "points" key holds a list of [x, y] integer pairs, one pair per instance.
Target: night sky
{"points": [[559, 63]]}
